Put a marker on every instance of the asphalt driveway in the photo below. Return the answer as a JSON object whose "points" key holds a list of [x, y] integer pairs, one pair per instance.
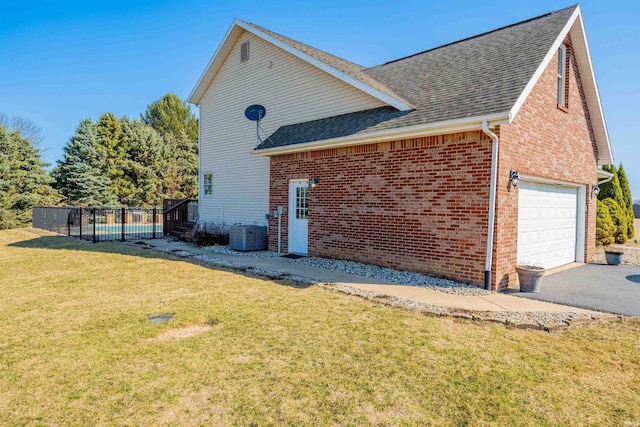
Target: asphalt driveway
{"points": [[614, 289]]}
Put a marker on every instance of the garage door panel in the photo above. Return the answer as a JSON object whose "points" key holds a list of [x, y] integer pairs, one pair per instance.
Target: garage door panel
{"points": [[547, 219]]}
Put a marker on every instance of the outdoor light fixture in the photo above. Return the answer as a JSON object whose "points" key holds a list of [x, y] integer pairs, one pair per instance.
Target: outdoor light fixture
{"points": [[514, 177], [596, 189], [314, 181]]}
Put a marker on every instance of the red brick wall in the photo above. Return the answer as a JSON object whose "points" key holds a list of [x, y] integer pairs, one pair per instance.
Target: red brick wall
{"points": [[418, 204], [422, 204], [545, 141]]}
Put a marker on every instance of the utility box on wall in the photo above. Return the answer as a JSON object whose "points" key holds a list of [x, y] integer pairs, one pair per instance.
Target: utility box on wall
{"points": [[248, 237]]}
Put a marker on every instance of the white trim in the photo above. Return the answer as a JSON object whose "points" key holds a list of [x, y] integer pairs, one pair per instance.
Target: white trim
{"points": [[204, 192], [291, 212], [242, 47], [597, 106], [437, 128], [581, 223], [192, 95], [196, 96], [544, 64], [562, 75], [199, 156], [581, 209], [549, 181], [588, 83]]}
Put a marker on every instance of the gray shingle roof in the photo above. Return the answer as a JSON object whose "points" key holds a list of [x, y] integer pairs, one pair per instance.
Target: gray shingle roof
{"points": [[478, 76]]}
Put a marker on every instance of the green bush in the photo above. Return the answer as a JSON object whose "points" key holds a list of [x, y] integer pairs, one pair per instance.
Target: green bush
{"points": [[619, 217], [605, 228], [628, 199]]}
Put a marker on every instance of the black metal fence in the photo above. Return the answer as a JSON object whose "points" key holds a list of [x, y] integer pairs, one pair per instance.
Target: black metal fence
{"points": [[100, 224]]}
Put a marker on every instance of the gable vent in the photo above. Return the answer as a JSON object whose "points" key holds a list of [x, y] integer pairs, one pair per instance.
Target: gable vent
{"points": [[244, 51]]}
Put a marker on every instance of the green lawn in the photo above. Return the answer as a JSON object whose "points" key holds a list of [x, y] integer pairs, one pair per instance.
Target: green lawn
{"points": [[76, 349]]}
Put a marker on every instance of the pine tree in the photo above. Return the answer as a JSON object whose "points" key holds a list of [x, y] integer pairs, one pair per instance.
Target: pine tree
{"points": [[170, 114], [181, 172], [144, 167], [619, 217], [605, 228], [78, 175], [628, 200], [24, 182], [112, 150], [607, 190], [173, 119], [612, 190]]}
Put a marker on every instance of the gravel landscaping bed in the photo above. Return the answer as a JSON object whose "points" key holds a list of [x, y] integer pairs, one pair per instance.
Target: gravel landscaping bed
{"points": [[367, 270], [631, 253], [394, 276], [227, 251]]}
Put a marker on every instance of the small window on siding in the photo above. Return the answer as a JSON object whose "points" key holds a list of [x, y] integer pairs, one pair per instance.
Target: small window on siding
{"points": [[244, 51], [562, 75], [208, 184]]}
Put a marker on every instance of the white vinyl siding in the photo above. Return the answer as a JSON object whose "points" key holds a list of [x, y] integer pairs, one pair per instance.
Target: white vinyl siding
{"points": [[292, 91]]}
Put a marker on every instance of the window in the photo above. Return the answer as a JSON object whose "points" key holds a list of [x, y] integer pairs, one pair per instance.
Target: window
{"points": [[562, 75], [302, 203], [208, 184], [244, 51]]}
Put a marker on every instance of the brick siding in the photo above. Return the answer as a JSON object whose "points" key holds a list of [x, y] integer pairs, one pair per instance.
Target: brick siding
{"points": [[418, 204], [422, 204], [548, 142]]}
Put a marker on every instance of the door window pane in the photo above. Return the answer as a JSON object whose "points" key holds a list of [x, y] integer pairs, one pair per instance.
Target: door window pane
{"points": [[302, 203]]}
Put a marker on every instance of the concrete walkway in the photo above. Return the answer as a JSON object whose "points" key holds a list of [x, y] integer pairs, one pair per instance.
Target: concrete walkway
{"points": [[494, 302]]}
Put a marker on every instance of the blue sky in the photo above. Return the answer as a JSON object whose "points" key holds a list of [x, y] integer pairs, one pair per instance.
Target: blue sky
{"points": [[64, 61]]}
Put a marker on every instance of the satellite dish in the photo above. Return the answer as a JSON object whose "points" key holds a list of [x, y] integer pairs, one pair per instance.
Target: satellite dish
{"points": [[255, 113]]}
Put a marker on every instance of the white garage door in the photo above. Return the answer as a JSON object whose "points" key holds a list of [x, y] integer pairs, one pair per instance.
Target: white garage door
{"points": [[547, 219]]}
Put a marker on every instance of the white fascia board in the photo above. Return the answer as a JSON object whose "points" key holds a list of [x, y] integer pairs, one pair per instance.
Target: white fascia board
{"points": [[387, 99], [592, 94], [545, 62], [589, 84], [436, 128], [196, 94]]}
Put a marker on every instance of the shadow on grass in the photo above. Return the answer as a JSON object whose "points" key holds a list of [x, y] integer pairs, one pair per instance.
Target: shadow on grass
{"points": [[143, 251]]}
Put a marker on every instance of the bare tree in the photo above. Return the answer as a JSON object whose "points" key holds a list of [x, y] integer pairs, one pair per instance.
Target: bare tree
{"points": [[27, 128]]}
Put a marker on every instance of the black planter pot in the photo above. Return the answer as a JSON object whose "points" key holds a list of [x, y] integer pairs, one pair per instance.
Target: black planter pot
{"points": [[613, 257]]}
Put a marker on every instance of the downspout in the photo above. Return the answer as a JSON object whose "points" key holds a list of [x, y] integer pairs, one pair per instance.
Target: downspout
{"points": [[604, 180], [198, 223], [492, 204]]}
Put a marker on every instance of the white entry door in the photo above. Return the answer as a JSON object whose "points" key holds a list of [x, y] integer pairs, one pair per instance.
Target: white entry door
{"points": [[298, 216], [547, 222]]}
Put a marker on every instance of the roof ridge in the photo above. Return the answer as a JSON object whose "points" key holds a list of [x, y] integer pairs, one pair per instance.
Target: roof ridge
{"points": [[476, 36], [270, 32], [342, 65]]}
